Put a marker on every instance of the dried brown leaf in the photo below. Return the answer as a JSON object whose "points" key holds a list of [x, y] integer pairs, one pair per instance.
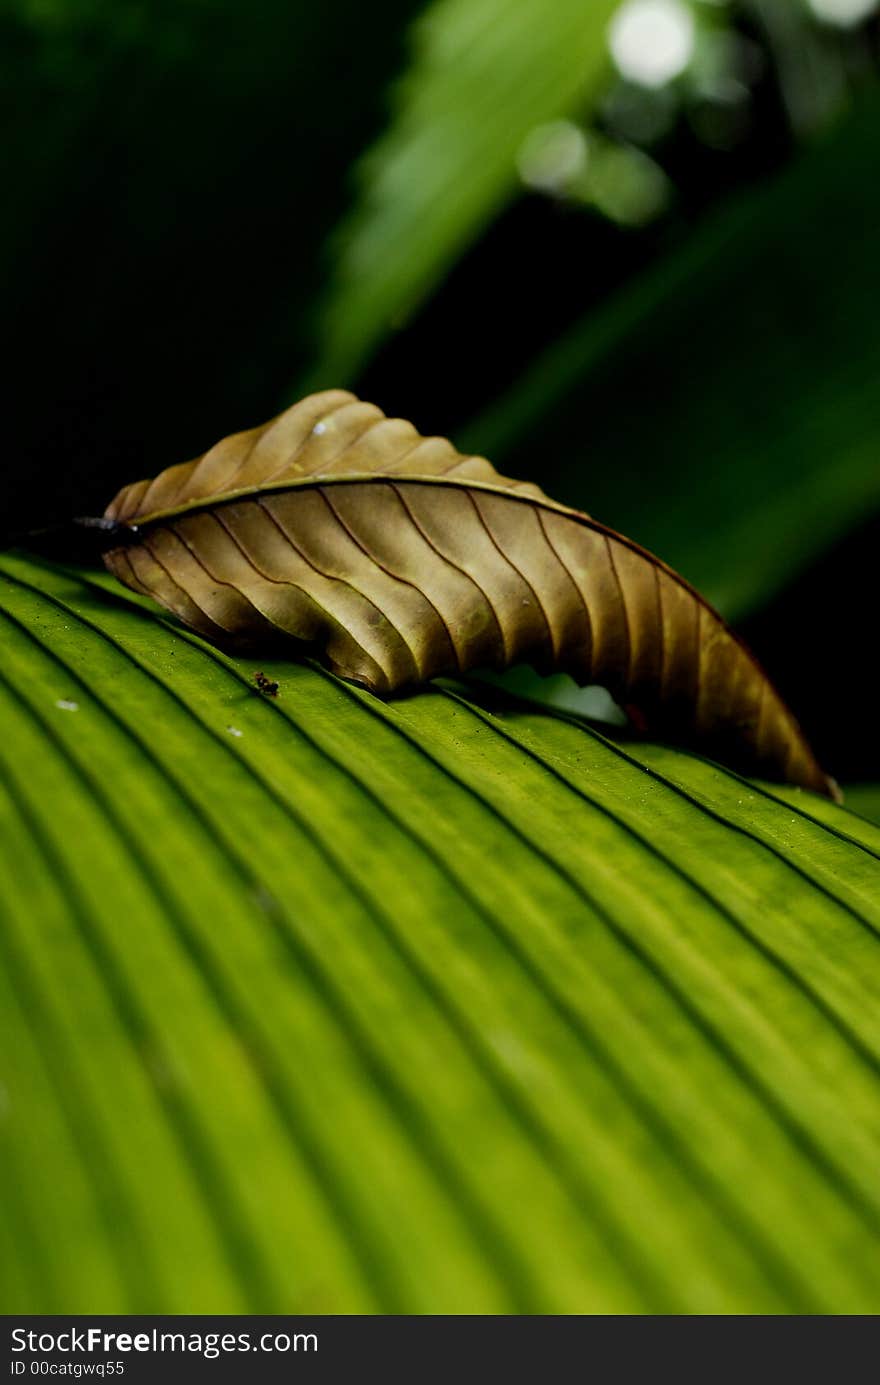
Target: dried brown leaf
{"points": [[399, 560]]}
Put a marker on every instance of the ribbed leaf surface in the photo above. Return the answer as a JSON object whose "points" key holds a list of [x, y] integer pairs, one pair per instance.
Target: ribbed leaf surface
{"points": [[315, 1003]]}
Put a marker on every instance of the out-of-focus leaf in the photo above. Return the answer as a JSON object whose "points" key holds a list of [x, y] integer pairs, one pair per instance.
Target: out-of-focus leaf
{"points": [[319, 1004], [724, 409], [173, 168], [484, 73], [864, 799], [401, 560]]}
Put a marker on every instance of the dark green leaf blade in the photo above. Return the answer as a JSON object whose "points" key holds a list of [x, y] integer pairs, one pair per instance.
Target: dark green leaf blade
{"points": [[725, 404]]}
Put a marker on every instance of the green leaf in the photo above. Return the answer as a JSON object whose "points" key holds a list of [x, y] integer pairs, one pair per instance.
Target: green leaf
{"points": [[865, 800], [320, 1004], [483, 74], [725, 404]]}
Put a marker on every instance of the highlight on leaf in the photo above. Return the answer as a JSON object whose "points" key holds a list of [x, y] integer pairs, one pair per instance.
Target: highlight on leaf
{"points": [[398, 560]]}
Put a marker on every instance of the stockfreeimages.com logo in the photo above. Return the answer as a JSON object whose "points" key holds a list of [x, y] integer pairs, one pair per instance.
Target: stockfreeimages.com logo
{"points": [[92, 1340]]}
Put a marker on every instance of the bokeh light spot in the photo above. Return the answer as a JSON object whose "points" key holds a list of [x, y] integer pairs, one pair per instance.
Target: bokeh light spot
{"points": [[626, 184], [552, 156], [843, 12], [652, 41]]}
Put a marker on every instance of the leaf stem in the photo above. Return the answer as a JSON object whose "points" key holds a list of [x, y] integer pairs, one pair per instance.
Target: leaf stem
{"points": [[89, 535]]}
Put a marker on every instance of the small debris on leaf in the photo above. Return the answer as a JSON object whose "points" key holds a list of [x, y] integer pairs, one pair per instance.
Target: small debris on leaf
{"points": [[265, 685], [66, 705]]}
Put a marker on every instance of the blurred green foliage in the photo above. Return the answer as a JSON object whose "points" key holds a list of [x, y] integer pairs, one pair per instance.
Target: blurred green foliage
{"points": [[175, 167], [481, 77], [723, 408]]}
